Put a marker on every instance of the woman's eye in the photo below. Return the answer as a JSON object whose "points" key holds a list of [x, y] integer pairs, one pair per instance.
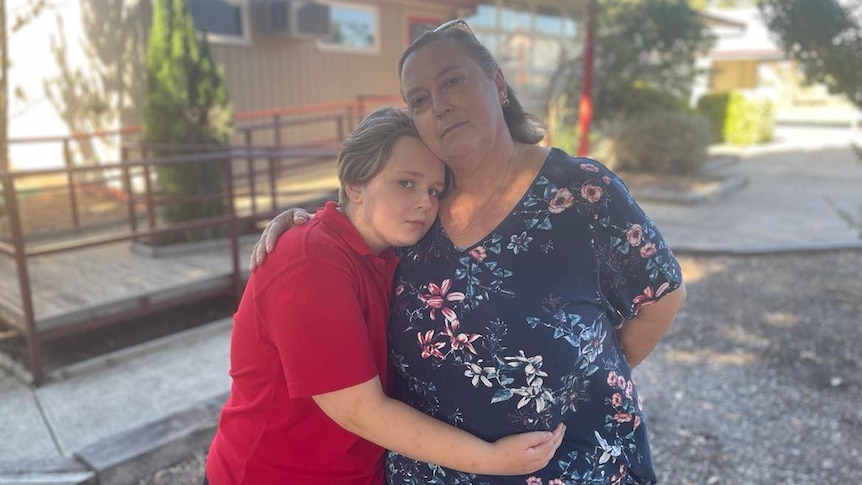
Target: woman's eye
{"points": [[434, 192], [407, 184], [417, 102], [454, 80]]}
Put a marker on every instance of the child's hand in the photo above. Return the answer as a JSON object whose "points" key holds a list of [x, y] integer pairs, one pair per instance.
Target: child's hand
{"points": [[525, 453]]}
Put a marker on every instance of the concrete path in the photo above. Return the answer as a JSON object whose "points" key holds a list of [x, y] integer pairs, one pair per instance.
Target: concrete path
{"points": [[116, 418]]}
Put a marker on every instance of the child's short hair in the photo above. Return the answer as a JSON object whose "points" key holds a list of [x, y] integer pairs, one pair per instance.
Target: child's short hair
{"points": [[365, 150]]}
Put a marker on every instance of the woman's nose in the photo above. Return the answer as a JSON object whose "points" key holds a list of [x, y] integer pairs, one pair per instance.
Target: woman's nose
{"points": [[441, 104]]}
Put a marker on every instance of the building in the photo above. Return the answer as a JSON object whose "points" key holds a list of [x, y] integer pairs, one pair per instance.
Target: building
{"points": [[79, 66]]}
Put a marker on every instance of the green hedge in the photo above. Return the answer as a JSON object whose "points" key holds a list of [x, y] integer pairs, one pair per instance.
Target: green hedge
{"points": [[737, 118], [661, 142]]}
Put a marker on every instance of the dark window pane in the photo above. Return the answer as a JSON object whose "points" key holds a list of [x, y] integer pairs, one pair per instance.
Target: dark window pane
{"points": [[217, 17]]}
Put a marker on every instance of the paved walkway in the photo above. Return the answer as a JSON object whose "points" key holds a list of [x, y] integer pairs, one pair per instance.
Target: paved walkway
{"points": [[116, 418]]}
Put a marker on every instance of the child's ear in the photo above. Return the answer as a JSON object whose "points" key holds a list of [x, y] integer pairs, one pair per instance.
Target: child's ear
{"points": [[354, 193]]}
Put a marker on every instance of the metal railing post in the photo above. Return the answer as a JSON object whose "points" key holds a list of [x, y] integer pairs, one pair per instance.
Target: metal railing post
{"points": [[127, 187], [34, 344], [232, 229], [70, 179], [249, 161]]}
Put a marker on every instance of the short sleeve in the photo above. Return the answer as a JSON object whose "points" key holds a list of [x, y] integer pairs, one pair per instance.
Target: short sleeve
{"points": [[313, 314], [635, 265]]}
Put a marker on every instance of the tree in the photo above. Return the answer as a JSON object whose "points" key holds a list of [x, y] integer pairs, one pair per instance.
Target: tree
{"points": [[825, 37], [641, 45], [186, 105]]}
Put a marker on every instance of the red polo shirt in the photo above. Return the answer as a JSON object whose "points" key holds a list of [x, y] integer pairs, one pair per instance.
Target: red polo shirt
{"points": [[312, 320]]}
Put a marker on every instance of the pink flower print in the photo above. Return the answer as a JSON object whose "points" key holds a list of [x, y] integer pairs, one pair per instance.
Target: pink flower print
{"points": [[629, 389], [617, 400], [479, 253], [612, 378], [606, 180], [556, 481], [399, 289], [460, 341], [621, 382], [591, 193], [618, 478], [589, 167], [429, 346], [647, 250], [635, 235], [637, 422], [562, 200], [649, 296], [622, 417], [534, 481], [438, 296]]}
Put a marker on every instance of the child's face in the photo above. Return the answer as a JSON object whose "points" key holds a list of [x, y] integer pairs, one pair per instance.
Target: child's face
{"points": [[398, 205]]}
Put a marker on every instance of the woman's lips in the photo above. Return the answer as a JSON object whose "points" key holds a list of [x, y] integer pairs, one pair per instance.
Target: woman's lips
{"points": [[452, 127]]}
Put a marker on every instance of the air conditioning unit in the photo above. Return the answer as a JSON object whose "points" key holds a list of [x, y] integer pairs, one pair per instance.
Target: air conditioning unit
{"points": [[292, 18]]}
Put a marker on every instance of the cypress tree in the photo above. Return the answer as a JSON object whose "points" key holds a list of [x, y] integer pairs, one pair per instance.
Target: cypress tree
{"points": [[186, 103]]}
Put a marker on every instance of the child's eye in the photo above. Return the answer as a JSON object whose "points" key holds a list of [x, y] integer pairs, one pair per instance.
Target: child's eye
{"points": [[434, 193], [407, 184], [418, 102]]}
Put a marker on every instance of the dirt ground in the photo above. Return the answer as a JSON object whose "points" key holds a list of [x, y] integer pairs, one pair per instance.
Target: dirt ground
{"points": [[758, 381]]}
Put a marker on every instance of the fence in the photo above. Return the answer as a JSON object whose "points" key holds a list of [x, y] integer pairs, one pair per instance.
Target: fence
{"points": [[259, 177]]}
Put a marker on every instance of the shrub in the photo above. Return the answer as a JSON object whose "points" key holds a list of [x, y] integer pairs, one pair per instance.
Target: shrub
{"points": [[737, 118], [645, 99], [186, 104], [662, 142]]}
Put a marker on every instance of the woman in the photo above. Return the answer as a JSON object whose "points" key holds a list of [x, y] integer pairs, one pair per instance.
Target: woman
{"points": [[537, 290], [308, 348]]}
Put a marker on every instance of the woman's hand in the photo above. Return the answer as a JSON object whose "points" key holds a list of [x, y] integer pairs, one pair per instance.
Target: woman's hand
{"points": [[525, 453], [273, 230]]}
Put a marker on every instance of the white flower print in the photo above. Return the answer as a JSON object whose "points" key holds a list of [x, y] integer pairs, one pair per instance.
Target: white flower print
{"points": [[519, 242], [479, 374], [608, 452]]}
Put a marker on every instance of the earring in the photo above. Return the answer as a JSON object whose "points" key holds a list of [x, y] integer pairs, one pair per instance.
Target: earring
{"points": [[506, 103]]}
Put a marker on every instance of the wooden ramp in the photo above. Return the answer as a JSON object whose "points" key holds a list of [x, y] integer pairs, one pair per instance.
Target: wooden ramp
{"points": [[92, 283]]}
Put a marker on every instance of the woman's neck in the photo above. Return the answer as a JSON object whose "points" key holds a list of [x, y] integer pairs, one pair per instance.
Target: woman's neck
{"points": [[485, 175]]}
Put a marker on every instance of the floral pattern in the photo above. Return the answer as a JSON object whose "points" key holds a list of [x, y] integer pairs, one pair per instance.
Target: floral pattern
{"points": [[518, 332]]}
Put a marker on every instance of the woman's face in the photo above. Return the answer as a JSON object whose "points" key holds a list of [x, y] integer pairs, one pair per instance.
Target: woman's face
{"points": [[457, 108]]}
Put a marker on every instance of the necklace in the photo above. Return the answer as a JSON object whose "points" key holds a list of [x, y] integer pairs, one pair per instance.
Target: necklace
{"points": [[484, 204]]}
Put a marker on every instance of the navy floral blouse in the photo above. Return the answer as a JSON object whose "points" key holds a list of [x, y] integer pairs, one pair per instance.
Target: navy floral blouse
{"points": [[517, 333]]}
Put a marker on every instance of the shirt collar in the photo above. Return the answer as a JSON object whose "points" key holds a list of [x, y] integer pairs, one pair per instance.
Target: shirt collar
{"points": [[338, 222]]}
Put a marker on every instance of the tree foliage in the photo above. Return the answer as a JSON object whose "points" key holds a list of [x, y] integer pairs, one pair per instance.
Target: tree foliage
{"points": [[824, 36], [641, 45], [186, 104]]}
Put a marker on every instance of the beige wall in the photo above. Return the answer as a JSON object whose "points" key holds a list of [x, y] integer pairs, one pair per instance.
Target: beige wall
{"points": [[730, 75], [272, 72]]}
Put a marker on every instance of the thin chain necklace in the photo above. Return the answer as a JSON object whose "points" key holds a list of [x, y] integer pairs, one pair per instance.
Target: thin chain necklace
{"points": [[491, 195]]}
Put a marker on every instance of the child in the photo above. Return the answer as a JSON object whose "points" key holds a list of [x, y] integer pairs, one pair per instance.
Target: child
{"points": [[308, 402]]}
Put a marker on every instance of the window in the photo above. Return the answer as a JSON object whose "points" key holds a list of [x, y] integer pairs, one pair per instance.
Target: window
{"points": [[417, 25], [222, 20], [354, 28]]}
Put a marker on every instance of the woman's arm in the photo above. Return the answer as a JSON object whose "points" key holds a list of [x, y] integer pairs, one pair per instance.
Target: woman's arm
{"points": [[640, 335], [273, 230], [365, 410]]}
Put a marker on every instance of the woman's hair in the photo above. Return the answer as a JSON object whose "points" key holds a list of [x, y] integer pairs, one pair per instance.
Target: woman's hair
{"points": [[523, 127], [365, 150]]}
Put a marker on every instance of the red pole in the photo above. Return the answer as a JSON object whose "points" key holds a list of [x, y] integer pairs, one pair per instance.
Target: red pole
{"points": [[585, 109]]}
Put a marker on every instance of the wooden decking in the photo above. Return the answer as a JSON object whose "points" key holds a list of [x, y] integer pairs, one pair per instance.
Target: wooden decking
{"points": [[74, 287]]}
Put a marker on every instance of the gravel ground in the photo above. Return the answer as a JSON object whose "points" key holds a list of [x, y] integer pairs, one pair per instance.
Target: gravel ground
{"points": [[758, 382]]}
